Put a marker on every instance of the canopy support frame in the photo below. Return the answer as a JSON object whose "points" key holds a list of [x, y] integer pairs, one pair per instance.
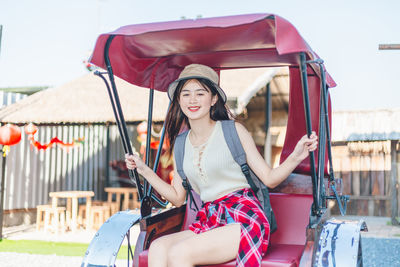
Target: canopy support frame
{"points": [[341, 200], [132, 177], [324, 142], [307, 114], [157, 160], [144, 191]]}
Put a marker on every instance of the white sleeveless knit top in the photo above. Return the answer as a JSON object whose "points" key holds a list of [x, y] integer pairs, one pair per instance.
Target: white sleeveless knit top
{"points": [[210, 167]]}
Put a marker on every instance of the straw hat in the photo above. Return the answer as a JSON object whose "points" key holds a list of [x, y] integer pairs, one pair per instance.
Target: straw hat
{"points": [[195, 71]]}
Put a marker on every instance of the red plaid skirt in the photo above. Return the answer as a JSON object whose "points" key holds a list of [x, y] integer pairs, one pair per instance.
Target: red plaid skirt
{"points": [[238, 207]]}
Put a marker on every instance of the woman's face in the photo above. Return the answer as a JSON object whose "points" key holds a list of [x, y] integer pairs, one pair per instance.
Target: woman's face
{"points": [[196, 100]]}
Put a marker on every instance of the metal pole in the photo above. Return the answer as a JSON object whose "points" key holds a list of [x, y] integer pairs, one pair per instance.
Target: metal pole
{"points": [[148, 137], [322, 140], [339, 199], [395, 185], [268, 113], [3, 174], [306, 101], [149, 124], [113, 94], [125, 146], [145, 208], [119, 115], [328, 134], [157, 160]]}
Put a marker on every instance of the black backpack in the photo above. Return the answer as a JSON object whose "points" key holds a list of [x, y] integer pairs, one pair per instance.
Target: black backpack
{"points": [[238, 154]]}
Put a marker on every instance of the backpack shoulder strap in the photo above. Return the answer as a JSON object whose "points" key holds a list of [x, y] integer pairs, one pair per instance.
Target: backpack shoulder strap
{"points": [[233, 141], [179, 153], [236, 148], [237, 151]]}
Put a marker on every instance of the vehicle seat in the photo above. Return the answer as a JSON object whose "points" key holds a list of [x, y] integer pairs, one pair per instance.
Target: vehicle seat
{"points": [[287, 242]]}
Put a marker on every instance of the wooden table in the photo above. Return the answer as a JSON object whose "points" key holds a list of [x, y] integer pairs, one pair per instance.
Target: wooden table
{"points": [[126, 191], [72, 205]]}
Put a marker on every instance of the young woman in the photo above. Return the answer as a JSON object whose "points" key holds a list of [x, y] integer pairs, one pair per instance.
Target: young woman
{"points": [[231, 223]]}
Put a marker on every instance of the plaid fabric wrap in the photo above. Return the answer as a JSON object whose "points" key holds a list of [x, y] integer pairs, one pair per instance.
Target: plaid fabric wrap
{"points": [[238, 207]]}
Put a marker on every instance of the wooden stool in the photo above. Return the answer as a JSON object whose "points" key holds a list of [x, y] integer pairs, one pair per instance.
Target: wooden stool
{"points": [[98, 215], [113, 206], [82, 210], [40, 209], [134, 203], [53, 217]]}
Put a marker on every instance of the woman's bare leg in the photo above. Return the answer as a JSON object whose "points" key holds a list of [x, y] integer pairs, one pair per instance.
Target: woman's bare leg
{"points": [[215, 246], [159, 248]]}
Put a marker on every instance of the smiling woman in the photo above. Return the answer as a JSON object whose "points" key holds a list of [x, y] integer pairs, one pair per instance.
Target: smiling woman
{"points": [[196, 100], [231, 223]]}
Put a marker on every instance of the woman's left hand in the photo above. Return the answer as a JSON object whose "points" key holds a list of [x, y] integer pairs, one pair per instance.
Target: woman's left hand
{"points": [[304, 146]]}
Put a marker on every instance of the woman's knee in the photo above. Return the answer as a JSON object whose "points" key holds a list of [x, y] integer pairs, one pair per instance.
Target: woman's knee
{"points": [[158, 247], [178, 254]]}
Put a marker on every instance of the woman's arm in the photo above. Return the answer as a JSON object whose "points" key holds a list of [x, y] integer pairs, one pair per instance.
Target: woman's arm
{"points": [[273, 177], [174, 193]]}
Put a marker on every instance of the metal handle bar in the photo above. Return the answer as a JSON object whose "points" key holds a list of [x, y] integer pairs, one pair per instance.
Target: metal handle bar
{"points": [[133, 175]]}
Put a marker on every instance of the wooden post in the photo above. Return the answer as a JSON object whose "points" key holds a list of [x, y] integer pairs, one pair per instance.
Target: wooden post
{"points": [[395, 185], [3, 174], [393, 154], [107, 164], [389, 47]]}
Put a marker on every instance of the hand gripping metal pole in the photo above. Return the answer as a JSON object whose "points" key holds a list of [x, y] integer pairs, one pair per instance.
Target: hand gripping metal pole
{"points": [[306, 101], [119, 117], [145, 196], [324, 137], [321, 138]]}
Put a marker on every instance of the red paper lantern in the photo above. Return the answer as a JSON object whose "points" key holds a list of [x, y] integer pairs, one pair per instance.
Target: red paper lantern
{"points": [[142, 128], [10, 135], [154, 144], [30, 129]]}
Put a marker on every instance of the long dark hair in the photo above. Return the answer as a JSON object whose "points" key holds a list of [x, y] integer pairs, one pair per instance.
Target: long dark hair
{"points": [[176, 120]]}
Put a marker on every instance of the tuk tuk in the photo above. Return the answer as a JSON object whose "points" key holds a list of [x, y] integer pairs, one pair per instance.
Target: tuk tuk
{"points": [[152, 56]]}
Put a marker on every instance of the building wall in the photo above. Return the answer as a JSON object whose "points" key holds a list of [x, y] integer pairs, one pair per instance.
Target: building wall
{"points": [[365, 168], [31, 174], [7, 98]]}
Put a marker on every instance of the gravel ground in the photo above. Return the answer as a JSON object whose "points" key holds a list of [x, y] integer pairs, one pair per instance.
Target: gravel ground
{"points": [[381, 252]]}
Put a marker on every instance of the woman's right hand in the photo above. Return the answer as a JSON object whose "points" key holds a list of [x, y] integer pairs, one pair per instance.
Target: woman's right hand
{"points": [[134, 161]]}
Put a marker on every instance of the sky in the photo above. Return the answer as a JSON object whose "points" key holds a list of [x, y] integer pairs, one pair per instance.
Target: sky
{"points": [[45, 42]]}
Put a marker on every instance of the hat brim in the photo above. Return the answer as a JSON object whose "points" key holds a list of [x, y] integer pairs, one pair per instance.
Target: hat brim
{"points": [[172, 87]]}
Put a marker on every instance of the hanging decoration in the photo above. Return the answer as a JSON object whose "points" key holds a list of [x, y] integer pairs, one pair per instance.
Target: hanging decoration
{"points": [[89, 66], [9, 135], [31, 129], [142, 137]]}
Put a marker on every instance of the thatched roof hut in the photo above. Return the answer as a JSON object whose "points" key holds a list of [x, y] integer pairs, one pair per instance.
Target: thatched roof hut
{"points": [[85, 100], [366, 125]]}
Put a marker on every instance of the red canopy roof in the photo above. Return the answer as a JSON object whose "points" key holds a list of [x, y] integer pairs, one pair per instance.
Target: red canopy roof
{"points": [[152, 55]]}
